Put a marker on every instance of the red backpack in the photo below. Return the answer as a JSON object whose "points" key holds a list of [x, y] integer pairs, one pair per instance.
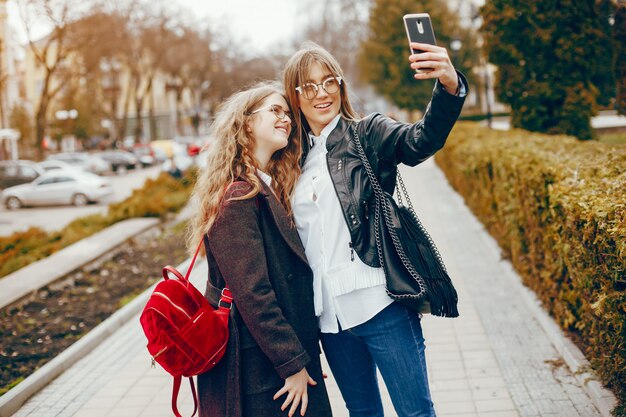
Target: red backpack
{"points": [[186, 336]]}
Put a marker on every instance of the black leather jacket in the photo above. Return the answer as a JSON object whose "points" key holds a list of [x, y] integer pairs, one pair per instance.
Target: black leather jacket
{"points": [[387, 143]]}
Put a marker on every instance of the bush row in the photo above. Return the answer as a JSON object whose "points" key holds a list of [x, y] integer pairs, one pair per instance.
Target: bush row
{"points": [[155, 199], [557, 208]]}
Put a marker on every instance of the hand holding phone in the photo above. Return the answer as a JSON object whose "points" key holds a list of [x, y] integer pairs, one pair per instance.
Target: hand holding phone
{"points": [[419, 29]]}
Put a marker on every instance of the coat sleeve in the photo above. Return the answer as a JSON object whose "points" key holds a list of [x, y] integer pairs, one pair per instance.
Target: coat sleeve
{"points": [[411, 144], [237, 245]]}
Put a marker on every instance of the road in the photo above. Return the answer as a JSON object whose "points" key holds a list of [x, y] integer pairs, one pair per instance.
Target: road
{"points": [[56, 217]]}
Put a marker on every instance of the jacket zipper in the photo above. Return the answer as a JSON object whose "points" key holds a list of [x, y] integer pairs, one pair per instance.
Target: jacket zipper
{"points": [[345, 215], [351, 251]]}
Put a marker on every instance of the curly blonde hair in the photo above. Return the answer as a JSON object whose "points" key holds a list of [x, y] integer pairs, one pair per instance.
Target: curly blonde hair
{"points": [[231, 158]]}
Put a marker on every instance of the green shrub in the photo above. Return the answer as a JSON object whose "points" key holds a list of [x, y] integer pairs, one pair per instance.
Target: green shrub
{"points": [[557, 208], [155, 199]]}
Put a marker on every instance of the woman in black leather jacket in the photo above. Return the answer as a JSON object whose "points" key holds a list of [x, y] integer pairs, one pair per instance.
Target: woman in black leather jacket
{"points": [[362, 329]]}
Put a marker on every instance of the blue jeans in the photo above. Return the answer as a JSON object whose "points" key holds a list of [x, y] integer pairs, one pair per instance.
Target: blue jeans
{"points": [[392, 341]]}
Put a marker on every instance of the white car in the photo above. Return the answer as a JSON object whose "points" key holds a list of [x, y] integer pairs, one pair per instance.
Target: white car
{"points": [[55, 165], [85, 161], [58, 187]]}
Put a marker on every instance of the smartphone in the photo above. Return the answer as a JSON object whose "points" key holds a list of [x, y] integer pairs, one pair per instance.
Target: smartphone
{"points": [[419, 29]]}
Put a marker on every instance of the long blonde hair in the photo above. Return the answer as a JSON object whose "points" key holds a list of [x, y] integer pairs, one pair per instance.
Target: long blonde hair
{"points": [[231, 158], [297, 71]]}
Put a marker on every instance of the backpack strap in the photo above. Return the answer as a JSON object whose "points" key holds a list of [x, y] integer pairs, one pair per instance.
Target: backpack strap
{"points": [[193, 261], [177, 382]]}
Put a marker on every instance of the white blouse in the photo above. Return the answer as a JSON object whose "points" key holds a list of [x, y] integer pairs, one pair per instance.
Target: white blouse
{"points": [[347, 292]]}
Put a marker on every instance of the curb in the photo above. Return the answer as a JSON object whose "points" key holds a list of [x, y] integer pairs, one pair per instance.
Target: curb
{"points": [[24, 281], [16, 397], [604, 400]]}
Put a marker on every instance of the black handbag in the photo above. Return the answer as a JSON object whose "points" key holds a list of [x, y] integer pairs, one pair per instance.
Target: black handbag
{"points": [[414, 271]]}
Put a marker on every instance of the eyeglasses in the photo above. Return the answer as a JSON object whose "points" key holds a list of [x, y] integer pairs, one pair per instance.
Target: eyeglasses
{"points": [[278, 111], [310, 90]]}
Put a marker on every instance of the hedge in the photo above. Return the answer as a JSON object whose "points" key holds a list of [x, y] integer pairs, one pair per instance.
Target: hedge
{"points": [[155, 199], [557, 208]]}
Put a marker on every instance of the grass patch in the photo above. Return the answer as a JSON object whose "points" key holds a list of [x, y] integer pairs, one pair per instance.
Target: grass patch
{"points": [[156, 198]]}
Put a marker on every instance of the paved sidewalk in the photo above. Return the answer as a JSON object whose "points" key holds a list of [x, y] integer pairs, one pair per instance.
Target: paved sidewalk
{"points": [[496, 360]]}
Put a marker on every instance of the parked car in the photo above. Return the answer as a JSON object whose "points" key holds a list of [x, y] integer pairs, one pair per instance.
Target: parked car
{"points": [[120, 160], [58, 187], [53, 165], [192, 143], [145, 154], [168, 151], [18, 172], [88, 162]]}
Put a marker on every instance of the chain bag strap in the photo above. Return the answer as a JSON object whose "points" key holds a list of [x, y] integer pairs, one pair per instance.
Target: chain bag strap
{"points": [[436, 284]]}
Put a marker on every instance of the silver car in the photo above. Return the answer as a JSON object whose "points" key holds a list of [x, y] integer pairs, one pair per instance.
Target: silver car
{"points": [[58, 187], [54, 165], [85, 161]]}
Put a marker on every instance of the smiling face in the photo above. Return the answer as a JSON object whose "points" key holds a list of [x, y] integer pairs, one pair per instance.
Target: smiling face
{"points": [[270, 132], [323, 108]]}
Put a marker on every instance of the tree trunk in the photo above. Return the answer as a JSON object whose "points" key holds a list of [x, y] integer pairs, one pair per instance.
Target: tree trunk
{"points": [[153, 126], [139, 124], [122, 125], [179, 123]]}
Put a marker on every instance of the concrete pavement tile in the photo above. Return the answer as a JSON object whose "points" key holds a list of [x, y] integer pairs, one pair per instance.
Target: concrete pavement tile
{"points": [[126, 412], [586, 409], [478, 354], [94, 412], [566, 408], [449, 385], [495, 405], [158, 411], [455, 407], [162, 400], [484, 362], [500, 414], [441, 340], [135, 401], [456, 414], [452, 396], [490, 393], [483, 372], [141, 391], [487, 382], [527, 410], [443, 365], [435, 355], [446, 374], [441, 347], [100, 402], [468, 345]]}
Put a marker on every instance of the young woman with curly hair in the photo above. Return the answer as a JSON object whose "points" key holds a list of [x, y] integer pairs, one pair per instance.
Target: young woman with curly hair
{"points": [[242, 212]]}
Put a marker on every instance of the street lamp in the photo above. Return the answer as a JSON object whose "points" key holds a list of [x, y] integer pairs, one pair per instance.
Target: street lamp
{"points": [[484, 64]]}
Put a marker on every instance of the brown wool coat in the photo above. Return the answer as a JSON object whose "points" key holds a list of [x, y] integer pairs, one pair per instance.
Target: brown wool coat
{"points": [[254, 246]]}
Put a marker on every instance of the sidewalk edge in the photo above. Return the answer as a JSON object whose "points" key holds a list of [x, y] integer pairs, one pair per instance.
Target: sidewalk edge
{"points": [[604, 400], [16, 397], [24, 281]]}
